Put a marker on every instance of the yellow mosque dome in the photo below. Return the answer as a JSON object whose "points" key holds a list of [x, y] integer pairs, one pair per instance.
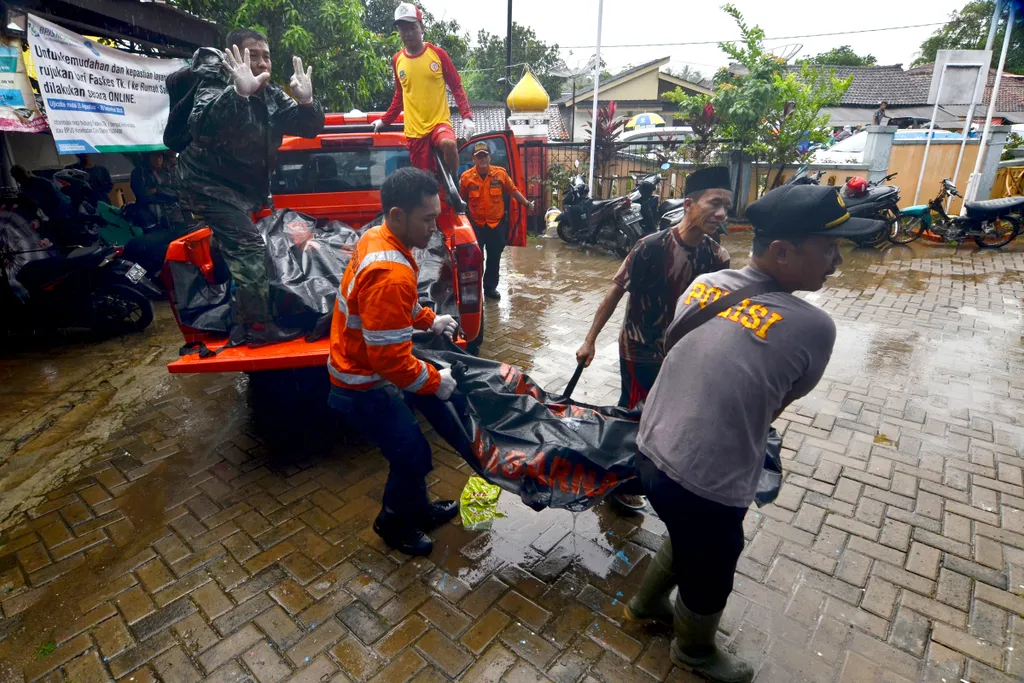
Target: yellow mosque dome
{"points": [[528, 95]]}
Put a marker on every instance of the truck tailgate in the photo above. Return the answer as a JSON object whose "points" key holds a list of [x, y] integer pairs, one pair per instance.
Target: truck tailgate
{"points": [[297, 353]]}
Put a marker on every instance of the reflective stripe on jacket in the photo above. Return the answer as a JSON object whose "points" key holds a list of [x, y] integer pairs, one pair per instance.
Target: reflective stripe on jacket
{"points": [[374, 317], [486, 196]]}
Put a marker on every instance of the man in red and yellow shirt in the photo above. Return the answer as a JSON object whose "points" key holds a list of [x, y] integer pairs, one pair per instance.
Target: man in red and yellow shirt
{"points": [[422, 72], [484, 188], [375, 379]]}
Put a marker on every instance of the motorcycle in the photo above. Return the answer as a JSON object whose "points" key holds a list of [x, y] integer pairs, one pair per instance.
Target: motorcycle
{"points": [[880, 202], [611, 223], [877, 201], [647, 197], [991, 223], [91, 287]]}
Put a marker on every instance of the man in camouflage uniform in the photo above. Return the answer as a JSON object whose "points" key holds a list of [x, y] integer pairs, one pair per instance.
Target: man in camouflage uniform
{"points": [[237, 122]]}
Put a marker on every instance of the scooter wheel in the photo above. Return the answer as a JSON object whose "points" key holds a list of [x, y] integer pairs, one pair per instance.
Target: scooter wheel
{"points": [[565, 232], [623, 243], [120, 310]]}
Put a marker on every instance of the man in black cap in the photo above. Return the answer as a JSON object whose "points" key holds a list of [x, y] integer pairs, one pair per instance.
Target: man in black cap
{"points": [[655, 273], [741, 348]]}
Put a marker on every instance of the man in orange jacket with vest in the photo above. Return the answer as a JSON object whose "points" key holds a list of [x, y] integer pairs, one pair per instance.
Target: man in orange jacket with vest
{"points": [[484, 188], [422, 74], [372, 368]]}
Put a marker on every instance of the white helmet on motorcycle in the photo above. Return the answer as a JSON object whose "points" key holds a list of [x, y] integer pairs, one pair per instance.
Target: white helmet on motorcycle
{"points": [[551, 217]]}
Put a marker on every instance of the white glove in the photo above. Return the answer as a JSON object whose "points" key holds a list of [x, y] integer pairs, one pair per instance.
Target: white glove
{"points": [[302, 82], [444, 324], [237, 64], [444, 391], [468, 128], [377, 125]]}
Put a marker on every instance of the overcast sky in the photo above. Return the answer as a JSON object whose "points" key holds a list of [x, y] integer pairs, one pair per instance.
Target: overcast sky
{"points": [[574, 22]]}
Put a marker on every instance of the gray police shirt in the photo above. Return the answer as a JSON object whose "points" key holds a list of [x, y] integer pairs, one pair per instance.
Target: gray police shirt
{"points": [[706, 420]]}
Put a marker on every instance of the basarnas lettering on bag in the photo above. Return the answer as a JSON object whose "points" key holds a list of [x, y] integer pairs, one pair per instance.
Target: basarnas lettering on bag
{"points": [[542, 469], [756, 317]]}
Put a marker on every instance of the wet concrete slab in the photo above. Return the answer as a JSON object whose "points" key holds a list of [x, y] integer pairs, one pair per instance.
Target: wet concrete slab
{"points": [[186, 528]]}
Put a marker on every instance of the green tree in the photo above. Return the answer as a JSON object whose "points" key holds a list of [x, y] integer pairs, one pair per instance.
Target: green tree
{"points": [[842, 56], [698, 113], [609, 126], [446, 34], [967, 29], [329, 35], [795, 121], [743, 93], [487, 63], [760, 106]]}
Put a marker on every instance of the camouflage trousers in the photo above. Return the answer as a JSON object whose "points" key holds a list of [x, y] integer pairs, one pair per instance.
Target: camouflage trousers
{"points": [[245, 254]]}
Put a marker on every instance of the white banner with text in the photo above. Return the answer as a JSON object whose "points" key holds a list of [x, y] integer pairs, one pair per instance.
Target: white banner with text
{"points": [[99, 99]]}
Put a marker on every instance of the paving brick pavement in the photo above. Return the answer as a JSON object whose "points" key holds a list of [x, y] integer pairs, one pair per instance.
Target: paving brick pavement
{"points": [[196, 547]]}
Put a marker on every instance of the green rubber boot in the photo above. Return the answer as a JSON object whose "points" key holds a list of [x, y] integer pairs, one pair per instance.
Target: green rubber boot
{"points": [[652, 601], [694, 648]]}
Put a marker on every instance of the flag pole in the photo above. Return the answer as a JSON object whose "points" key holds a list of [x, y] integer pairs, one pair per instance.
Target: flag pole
{"points": [[597, 83], [972, 184]]}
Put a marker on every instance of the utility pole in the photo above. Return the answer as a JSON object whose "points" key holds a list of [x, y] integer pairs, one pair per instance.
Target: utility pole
{"points": [[597, 84], [972, 187], [572, 125], [508, 59]]}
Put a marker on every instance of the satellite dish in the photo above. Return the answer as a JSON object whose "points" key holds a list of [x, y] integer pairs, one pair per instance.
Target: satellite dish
{"points": [[563, 70], [787, 52]]}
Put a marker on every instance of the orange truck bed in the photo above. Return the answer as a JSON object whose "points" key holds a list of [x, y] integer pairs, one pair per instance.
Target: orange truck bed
{"points": [[297, 353]]}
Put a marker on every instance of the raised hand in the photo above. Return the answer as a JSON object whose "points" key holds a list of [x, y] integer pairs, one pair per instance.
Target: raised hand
{"points": [[237, 64], [302, 82]]}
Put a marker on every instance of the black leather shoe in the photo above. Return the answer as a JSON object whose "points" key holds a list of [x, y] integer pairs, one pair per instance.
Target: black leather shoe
{"points": [[493, 294], [406, 539], [441, 512]]}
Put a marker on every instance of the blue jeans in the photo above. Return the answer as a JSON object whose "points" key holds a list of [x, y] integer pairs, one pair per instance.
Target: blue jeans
{"points": [[385, 417]]}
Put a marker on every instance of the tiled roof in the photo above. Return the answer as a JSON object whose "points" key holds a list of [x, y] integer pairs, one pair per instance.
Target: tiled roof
{"points": [[1011, 89], [557, 127], [872, 84]]}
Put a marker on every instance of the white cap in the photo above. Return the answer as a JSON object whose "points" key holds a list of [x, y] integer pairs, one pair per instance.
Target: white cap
{"points": [[407, 11]]}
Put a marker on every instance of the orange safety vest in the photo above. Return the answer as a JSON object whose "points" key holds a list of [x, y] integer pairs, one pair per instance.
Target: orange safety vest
{"points": [[486, 196], [376, 311]]}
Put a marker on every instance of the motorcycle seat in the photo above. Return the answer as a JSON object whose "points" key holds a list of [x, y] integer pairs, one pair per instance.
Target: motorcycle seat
{"points": [[670, 205], [598, 203], [994, 207], [42, 271]]}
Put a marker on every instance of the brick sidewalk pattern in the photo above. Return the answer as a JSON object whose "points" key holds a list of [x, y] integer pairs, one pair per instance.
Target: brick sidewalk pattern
{"points": [[186, 551]]}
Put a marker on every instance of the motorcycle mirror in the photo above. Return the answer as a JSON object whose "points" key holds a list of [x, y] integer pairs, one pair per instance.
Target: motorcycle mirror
{"points": [[665, 166]]}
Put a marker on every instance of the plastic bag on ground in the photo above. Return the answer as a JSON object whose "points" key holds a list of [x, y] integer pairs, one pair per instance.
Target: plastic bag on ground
{"points": [[478, 504]]}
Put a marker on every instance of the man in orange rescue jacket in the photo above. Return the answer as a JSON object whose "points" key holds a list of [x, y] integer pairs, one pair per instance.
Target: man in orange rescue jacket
{"points": [[372, 368], [484, 187], [422, 72]]}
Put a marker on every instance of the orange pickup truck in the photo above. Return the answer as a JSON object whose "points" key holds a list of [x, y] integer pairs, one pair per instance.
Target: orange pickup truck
{"points": [[337, 176]]}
